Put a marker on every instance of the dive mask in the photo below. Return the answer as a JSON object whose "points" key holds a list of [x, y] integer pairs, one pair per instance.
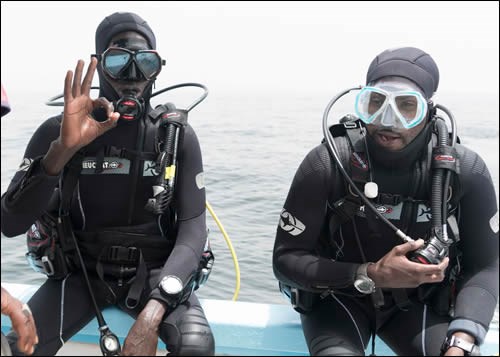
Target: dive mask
{"points": [[116, 61], [399, 108]]}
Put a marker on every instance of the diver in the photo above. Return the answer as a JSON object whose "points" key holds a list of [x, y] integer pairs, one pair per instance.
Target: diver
{"points": [[116, 188], [390, 226], [19, 313]]}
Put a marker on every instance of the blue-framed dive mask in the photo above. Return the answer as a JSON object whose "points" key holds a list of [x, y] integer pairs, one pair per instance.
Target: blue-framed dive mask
{"points": [[400, 109]]}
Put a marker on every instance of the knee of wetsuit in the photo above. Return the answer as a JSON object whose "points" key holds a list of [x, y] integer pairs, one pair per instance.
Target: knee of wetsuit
{"points": [[333, 346], [190, 336]]}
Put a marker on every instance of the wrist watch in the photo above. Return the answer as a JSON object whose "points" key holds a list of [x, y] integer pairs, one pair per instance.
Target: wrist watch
{"points": [[363, 283], [171, 289], [469, 348]]}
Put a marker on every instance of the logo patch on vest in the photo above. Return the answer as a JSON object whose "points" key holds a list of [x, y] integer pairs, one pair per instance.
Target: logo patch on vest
{"points": [[394, 212], [25, 165], [358, 161], [291, 224], [389, 211], [110, 166], [424, 213], [200, 180], [149, 168], [494, 223]]}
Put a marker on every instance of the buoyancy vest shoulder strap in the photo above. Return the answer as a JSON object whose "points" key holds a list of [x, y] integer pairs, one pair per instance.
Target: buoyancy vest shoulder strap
{"points": [[343, 206], [69, 180], [67, 184]]}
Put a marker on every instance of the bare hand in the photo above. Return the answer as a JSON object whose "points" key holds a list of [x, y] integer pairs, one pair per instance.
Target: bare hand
{"points": [[22, 322], [395, 270], [142, 339], [78, 126]]}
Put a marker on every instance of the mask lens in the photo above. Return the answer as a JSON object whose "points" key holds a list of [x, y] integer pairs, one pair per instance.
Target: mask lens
{"points": [[375, 102], [115, 60], [408, 107], [149, 63], [369, 103]]}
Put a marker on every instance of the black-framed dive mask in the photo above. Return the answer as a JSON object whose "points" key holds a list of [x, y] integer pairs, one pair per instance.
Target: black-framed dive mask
{"points": [[115, 62]]}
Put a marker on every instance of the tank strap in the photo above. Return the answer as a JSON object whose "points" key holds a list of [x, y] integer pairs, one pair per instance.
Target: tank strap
{"points": [[128, 254]]}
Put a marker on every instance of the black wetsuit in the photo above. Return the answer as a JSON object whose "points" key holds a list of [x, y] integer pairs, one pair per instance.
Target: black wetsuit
{"points": [[114, 200], [342, 321]]}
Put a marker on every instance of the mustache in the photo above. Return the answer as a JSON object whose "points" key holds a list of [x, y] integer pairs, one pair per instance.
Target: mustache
{"points": [[386, 131]]}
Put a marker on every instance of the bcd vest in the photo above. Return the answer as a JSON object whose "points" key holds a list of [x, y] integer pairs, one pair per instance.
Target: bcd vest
{"points": [[411, 213], [114, 251]]}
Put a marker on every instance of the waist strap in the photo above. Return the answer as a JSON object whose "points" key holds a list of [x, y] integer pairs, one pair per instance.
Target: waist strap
{"points": [[125, 256]]}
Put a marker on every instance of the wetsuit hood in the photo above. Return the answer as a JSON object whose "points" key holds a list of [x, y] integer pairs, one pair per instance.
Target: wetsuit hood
{"points": [[109, 27], [408, 62]]}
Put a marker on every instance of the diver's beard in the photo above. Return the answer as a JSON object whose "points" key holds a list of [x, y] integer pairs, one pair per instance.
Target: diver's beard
{"points": [[388, 136], [404, 157]]}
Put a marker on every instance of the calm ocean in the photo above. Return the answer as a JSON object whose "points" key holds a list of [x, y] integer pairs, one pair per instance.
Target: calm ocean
{"points": [[252, 145]]}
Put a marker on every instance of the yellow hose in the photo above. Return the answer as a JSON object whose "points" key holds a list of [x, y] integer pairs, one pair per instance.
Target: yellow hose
{"points": [[230, 246]]}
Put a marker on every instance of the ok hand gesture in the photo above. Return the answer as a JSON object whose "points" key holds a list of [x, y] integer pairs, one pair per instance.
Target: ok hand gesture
{"points": [[78, 127]]}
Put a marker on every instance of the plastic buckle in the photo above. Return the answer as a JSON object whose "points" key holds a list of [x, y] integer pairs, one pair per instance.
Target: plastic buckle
{"points": [[43, 265], [287, 291], [350, 125], [294, 297], [118, 253], [207, 264], [47, 266]]}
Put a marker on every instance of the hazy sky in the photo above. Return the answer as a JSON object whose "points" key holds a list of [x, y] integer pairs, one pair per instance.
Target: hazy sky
{"points": [[273, 46]]}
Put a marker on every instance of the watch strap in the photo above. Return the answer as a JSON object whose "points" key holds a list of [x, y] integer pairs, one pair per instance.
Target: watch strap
{"points": [[363, 269], [469, 348], [362, 282]]}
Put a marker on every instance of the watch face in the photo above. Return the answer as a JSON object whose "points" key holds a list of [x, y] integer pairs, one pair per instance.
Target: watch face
{"points": [[364, 285], [171, 285], [110, 343]]}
